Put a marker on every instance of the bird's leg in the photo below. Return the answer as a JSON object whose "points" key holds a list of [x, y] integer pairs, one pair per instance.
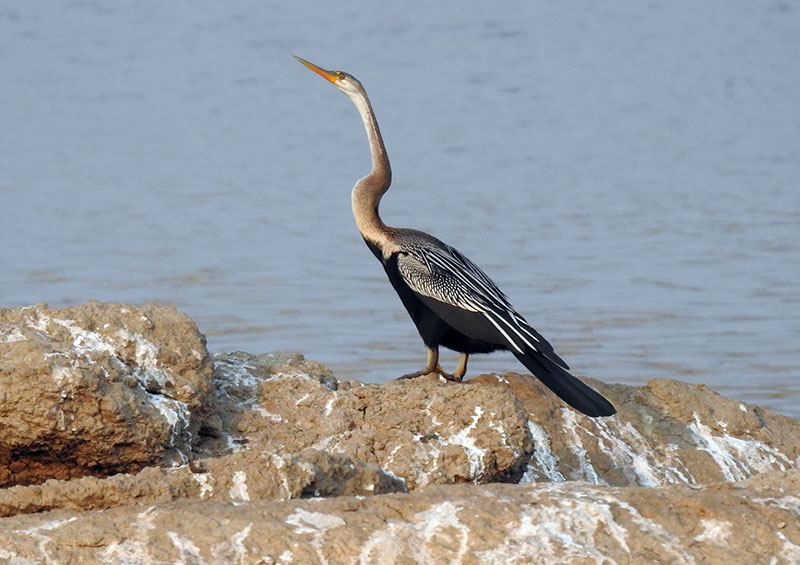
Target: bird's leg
{"points": [[432, 366], [461, 369]]}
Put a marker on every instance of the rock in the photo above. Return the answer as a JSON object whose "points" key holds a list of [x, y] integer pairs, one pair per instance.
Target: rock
{"points": [[420, 431], [750, 522], [97, 389], [666, 432], [238, 477], [405, 471]]}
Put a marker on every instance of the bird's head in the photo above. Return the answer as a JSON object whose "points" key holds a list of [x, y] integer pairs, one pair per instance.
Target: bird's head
{"points": [[345, 82]]}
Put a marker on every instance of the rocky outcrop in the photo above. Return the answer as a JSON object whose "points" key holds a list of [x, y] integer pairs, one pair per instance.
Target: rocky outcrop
{"points": [[98, 389], [129, 442], [570, 522], [665, 433], [421, 432]]}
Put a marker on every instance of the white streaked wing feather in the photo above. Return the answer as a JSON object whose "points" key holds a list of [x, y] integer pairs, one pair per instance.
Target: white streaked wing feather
{"points": [[446, 275], [434, 282]]}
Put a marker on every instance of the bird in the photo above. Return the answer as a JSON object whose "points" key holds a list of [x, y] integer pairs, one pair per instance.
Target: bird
{"points": [[452, 302]]}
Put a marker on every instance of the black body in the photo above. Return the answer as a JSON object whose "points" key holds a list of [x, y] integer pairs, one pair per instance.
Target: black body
{"points": [[442, 324]]}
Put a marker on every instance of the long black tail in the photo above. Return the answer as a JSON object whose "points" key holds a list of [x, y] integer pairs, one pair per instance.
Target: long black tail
{"points": [[568, 388]]}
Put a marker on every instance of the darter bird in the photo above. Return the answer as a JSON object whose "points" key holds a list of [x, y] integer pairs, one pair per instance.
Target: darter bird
{"points": [[451, 301]]}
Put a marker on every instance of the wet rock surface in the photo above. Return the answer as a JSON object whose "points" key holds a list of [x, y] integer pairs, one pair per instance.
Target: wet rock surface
{"points": [[123, 440]]}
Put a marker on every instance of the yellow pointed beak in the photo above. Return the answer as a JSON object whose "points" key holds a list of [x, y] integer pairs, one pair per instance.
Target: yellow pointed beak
{"points": [[332, 76]]}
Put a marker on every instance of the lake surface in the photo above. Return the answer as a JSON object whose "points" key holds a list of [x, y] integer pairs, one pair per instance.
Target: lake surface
{"points": [[629, 174]]}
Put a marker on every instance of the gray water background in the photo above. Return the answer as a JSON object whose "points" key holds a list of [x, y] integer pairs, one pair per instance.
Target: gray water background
{"points": [[626, 172]]}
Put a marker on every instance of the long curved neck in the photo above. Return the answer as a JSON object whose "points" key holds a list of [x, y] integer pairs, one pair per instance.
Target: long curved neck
{"points": [[368, 191]]}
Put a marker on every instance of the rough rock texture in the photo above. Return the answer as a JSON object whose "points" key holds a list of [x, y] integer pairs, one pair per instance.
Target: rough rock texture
{"points": [[666, 432], [97, 389], [755, 522], [420, 431], [396, 473]]}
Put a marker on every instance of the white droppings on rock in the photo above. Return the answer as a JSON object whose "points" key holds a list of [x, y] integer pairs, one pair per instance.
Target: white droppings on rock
{"points": [[635, 459], [329, 406], [500, 379], [388, 473], [236, 382], [147, 368], [44, 540], [14, 335], [790, 552], [144, 351], [62, 375], [789, 503], [135, 549], [327, 443], [85, 341], [176, 414], [392, 453], [13, 557], [631, 452], [233, 550], [414, 540], [239, 489], [317, 523], [271, 416], [188, 551], [235, 373], [306, 522], [426, 454], [671, 543], [714, 531], [498, 427], [475, 454], [574, 442], [543, 461], [280, 463], [206, 489], [565, 518], [738, 459]]}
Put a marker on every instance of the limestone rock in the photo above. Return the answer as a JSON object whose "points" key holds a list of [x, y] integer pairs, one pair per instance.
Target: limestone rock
{"points": [[97, 389]]}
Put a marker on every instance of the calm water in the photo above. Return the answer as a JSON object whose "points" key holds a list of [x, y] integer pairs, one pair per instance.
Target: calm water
{"points": [[628, 174]]}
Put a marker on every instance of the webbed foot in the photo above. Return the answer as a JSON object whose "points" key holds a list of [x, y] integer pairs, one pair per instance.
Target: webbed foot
{"points": [[437, 370], [434, 367]]}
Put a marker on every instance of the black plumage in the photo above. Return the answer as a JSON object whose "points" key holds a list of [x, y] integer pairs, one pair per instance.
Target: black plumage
{"points": [[454, 304]]}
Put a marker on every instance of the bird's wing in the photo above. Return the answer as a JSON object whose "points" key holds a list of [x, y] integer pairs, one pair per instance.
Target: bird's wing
{"points": [[442, 273]]}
